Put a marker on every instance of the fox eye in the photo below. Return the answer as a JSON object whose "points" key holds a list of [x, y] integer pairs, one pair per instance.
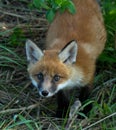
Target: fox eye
{"points": [[40, 76], [56, 78]]}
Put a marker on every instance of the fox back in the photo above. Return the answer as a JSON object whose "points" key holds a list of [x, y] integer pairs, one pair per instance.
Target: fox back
{"points": [[73, 44]]}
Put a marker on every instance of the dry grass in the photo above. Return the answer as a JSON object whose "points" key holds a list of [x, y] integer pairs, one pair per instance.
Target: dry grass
{"points": [[20, 105]]}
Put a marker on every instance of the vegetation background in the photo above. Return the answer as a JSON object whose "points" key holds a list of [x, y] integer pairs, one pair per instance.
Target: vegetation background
{"points": [[20, 105]]}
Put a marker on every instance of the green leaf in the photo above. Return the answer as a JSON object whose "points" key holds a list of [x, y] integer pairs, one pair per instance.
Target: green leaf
{"points": [[40, 4], [18, 124], [71, 7], [50, 15], [58, 2], [23, 119], [62, 9], [37, 3], [51, 6]]}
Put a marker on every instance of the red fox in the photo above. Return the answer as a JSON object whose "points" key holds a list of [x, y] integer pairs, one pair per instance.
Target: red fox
{"points": [[73, 44]]}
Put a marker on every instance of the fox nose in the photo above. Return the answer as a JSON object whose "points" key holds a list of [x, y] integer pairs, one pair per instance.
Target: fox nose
{"points": [[44, 93]]}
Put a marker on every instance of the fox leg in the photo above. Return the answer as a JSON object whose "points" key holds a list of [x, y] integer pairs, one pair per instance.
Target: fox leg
{"points": [[84, 95], [73, 113], [63, 104], [63, 100], [74, 108]]}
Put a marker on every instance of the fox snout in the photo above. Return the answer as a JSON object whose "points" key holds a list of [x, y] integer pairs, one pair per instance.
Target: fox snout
{"points": [[44, 93], [46, 87]]}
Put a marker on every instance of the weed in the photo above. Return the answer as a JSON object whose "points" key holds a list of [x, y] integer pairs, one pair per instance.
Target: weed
{"points": [[52, 6], [20, 105]]}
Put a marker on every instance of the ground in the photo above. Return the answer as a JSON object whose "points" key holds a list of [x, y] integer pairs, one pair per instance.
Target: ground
{"points": [[20, 105]]}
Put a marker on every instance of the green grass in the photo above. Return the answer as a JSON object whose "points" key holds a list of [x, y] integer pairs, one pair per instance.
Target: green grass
{"points": [[20, 105]]}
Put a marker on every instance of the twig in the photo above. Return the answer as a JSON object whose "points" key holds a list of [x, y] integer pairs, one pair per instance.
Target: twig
{"points": [[12, 14], [19, 109], [20, 16], [113, 114]]}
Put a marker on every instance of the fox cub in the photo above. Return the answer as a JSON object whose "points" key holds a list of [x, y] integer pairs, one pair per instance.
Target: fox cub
{"points": [[73, 44]]}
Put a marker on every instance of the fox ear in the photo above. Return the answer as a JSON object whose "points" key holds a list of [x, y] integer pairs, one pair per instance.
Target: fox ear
{"points": [[69, 53], [33, 52]]}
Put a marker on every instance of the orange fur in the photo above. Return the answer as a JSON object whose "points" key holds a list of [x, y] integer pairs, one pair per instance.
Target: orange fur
{"points": [[71, 65], [50, 65], [86, 27]]}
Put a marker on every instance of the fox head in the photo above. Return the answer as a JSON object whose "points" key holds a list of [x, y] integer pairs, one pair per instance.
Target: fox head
{"points": [[49, 70]]}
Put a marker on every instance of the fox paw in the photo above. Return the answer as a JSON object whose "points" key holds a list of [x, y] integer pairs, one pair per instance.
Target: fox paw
{"points": [[74, 108]]}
